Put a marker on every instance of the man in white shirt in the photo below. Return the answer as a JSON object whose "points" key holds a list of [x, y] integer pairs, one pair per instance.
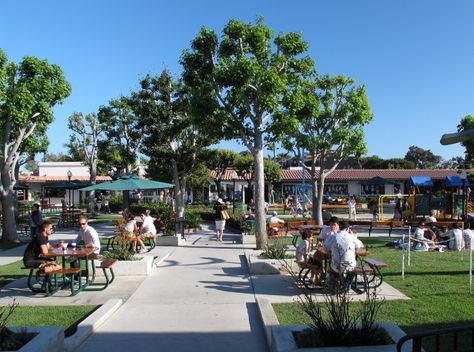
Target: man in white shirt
{"points": [[343, 246], [332, 229], [88, 235], [274, 219]]}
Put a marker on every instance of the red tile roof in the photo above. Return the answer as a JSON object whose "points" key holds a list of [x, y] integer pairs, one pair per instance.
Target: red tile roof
{"points": [[294, 175], [46, 179]]}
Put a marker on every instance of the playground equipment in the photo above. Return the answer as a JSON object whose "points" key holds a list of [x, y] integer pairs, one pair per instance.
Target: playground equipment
{"points": [[454, 203]]}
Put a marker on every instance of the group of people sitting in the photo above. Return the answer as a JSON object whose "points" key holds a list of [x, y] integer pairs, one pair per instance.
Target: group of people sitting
{"points": [[340, 240], [135, 233], [428, 238]]}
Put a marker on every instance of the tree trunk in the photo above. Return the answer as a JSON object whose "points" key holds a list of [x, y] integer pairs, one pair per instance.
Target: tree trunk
{"points": [[179, 190], [8, 206], [260, 197], [319, 203], [93, 180]]}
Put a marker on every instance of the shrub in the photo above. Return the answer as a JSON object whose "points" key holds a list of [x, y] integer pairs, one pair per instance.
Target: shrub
{"points": [[121, 249], [275, 249], [9, 340]]}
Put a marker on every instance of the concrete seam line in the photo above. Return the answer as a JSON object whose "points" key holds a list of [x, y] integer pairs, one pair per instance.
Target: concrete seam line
{"points": [[158, 263]]}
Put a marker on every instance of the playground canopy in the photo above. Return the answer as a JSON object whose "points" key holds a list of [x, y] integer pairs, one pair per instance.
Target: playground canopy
{"points": [[420, 181], [455, 181]]}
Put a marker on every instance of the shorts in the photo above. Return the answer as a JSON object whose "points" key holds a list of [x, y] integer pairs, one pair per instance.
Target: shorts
{"points": [[220, 224]]}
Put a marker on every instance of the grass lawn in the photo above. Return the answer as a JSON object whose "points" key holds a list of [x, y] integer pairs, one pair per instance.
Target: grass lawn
{"points": [[65, 316], [437, 283]]}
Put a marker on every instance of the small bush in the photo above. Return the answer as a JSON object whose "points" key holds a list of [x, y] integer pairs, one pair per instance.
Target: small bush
{"points": [[9, 340], [275, 249], [121, 250]]}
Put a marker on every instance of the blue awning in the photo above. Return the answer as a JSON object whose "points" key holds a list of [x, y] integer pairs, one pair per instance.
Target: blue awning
{"points": [[420, 181], [454, 181]]}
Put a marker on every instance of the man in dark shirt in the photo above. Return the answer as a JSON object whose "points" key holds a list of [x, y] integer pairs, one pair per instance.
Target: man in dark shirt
{"points": [[39, 245]]}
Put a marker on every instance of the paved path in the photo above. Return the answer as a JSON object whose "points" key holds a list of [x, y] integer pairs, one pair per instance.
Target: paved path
{"points": [[199, 299]]}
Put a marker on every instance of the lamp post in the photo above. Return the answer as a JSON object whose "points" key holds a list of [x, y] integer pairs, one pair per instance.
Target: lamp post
{"points": [[463, 177], [69, 175]]}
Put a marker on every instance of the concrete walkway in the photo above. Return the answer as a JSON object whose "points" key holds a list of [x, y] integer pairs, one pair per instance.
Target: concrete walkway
{"points": [[199, 299]]}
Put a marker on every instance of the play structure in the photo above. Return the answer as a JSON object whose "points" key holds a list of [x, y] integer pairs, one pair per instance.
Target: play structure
{"points": [[420, 201]]}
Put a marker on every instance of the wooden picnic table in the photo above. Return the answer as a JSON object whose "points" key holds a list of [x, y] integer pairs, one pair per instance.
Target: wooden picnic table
{"points": [[80, 253], [315, 230]]}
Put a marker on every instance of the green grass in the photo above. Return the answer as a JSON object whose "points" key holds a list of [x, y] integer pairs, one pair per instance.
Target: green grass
{"points": [[66, 316], [103, 217], [437, 283], [12, 272]]}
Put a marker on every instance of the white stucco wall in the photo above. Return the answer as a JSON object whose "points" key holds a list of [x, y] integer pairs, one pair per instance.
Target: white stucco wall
{"points": [[61, 169]]}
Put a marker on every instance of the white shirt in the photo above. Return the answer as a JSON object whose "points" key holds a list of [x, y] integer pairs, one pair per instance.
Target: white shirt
{"points": [[342, 246], [325, 232], [302, 251], [457, 242], [468, 236], [130, 226], [148, 226], [90, 237], [430, 219], [275, 220]]}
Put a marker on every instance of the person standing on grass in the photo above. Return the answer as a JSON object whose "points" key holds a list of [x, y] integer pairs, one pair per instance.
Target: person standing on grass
{"points": [[35, 220], [219, 206], [352, 208]]}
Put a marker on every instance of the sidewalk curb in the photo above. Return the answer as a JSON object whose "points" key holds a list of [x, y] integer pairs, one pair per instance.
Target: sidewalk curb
{"points": [[91, 323], [269, 318]]}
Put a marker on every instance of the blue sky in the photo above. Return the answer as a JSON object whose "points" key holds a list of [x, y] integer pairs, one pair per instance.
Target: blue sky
{"points": [[414, 57]]}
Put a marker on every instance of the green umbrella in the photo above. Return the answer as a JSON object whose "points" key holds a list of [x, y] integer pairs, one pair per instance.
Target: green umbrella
{"points": [[74, 184], [19, 186], [127, 183]]}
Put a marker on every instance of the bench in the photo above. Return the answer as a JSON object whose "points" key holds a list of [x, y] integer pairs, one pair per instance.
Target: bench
{"points": [[376, 265], [105, 264], [386, 224], [276, 229], [37, 283]]}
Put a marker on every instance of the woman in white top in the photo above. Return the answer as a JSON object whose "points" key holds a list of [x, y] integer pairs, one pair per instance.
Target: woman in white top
{"points": [[148, 226], [132, 228], [456, 242]]}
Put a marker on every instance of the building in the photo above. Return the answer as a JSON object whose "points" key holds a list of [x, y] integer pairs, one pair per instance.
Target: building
{"points": [[51, 183]]}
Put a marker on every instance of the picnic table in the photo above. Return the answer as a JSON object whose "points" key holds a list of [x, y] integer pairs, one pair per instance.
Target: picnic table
{"points": [[79, 254], [315, 230]]}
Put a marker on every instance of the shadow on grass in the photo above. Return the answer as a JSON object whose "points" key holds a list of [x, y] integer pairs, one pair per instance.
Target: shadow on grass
{"points": [[6, 279]]}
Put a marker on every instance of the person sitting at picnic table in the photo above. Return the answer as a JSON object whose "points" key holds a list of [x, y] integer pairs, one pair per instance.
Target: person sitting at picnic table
{"points": [[330, 229], [342, 246], [456, 241], [468, 236], [326, 215], [131, 228], [421, 242], [39, 246], [88, 235], [148, 226], [302, 253], [431, 218], [274, 219]]}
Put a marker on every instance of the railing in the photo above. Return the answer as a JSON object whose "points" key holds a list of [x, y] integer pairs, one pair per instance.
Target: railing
{"points": [[419, 336]]}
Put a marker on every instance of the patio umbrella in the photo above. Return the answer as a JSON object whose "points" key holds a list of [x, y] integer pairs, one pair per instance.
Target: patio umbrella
{"points": [[19, 186], [127, 183]]}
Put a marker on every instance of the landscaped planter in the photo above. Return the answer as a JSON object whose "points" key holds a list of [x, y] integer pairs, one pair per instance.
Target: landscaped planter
{"points": [[259, 266], [283, 341], [142, 267], [169, 241], [49, 339]]}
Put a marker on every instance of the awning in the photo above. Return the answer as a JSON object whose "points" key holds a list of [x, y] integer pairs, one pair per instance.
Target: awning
{"points": [[74, 184], [420, 181], [455, 181]]}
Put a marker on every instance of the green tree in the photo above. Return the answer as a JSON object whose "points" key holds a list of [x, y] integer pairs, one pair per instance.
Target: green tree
{"points": [[199, 180], [124, 138], [86, 134], [220, 160], [423, 159], [239, 82], [28, 92], [398, 163], [372, 162], [467, 123], [329, 125], [171, 141]]}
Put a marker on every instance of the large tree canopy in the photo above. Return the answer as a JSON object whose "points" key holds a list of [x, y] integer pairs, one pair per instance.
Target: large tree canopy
{"points": [[423, 159], [328, 124], [28, 92], [467, 123], [239, 82]]}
